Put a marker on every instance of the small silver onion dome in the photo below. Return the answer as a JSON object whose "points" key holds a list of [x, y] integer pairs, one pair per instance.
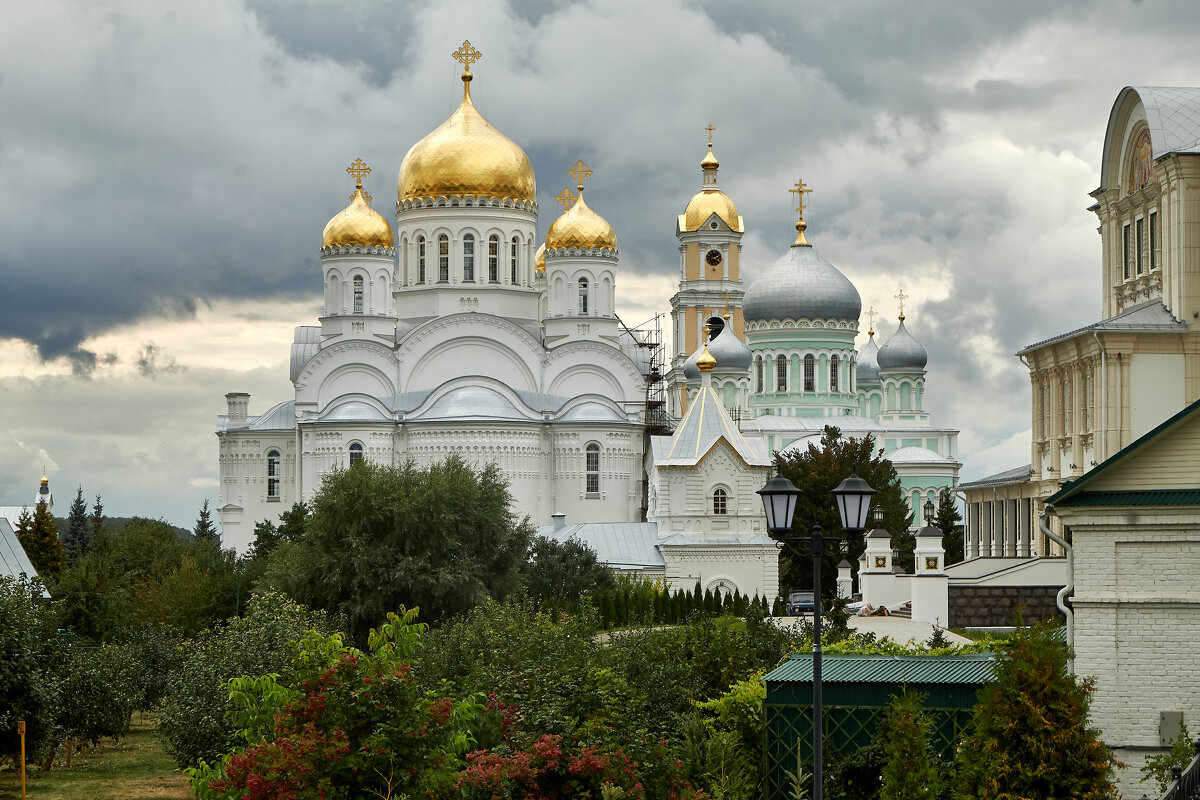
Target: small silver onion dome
{"points": [[902, 352], [801, 285], [731, 353], [690, 371], [866, 372]]}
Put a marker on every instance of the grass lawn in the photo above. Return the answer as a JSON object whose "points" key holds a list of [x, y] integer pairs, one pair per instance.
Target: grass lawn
{"points": [[135, 769]]}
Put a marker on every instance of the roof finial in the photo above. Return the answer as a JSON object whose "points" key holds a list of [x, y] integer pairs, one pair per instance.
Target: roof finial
{"points": [[580, 173], [901, 297], [359, 170], [800, 190], [566, 198], [709, 127], [466, 55], [705, 361], [871, 315]]}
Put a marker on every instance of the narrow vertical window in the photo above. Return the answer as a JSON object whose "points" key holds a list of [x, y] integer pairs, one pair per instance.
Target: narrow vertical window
{"points": [[1087, 401], [1125, 251], [781, 373], [1046, 434], [834, 363], [810, 373], [1139, 227], [720, 502], [273, 476], [443, 258], [1066, 407], [1153, 240], [358, 294], [468, 258], [758, 374], [583, 296], [356, 453], [494, 258], [513, 260], [420, 259], [593, 470]]}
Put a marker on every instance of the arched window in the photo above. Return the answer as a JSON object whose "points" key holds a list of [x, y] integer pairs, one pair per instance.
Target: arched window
{"points": [[273, 476], [834, 363], [468, 258], [420, 259], [356, 453], [781, 373], [513, 259], [494, 258], [358, 294], [720, 502], [810, 373], [592, 487], [758, 374], [443, 259], [583, 295]]}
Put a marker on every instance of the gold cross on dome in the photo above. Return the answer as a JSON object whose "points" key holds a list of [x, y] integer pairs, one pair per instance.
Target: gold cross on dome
{"points": [[359, 170], [566, 198], [709, 127], [367, 197], [901, 297], [466, 55], [871, 315], [800, 190], [580, 173]]}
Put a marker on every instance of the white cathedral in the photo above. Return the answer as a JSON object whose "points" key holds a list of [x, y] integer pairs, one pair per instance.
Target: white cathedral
{"points": [[458, 330]]}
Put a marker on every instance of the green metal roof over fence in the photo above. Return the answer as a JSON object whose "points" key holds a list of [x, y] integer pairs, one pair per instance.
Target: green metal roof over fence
{"points": [[1146, 497], [970, 669]]}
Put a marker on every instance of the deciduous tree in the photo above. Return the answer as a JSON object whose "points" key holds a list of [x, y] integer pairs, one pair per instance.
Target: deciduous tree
{"points": [[559, 573]]}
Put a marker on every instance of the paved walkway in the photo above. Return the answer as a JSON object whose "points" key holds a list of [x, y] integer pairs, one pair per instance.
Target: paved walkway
{"points": [[898, 629]]}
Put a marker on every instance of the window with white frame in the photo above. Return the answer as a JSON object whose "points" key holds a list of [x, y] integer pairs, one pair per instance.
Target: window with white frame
{"points": [[420, 259], [810, 373], [513, 259], [1125, 251], [781, 373], [758, 374], [1153, 240], [273, 476], [468, 258], [720, 502], [358, 294], [592, 469], [356, 453], [583, 296], [1139, 228], [443, 259], [834, 364], [494, 258]]}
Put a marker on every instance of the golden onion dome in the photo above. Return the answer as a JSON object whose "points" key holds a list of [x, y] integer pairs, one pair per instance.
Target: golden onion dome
{"points": [[358, 224], [581, 228], [468, 157], [539, 259], [706, 362], [710, 200]]}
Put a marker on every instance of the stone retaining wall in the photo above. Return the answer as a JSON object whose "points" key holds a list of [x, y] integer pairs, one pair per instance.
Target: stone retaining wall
{"points": [[994, 606]]}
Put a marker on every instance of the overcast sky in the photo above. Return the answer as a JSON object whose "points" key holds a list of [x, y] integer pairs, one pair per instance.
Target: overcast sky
{"points": [[166, 169]]}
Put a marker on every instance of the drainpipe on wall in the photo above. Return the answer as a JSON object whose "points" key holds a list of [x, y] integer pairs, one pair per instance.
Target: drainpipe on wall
{"points": [[1061, 599], [1102, 446]]}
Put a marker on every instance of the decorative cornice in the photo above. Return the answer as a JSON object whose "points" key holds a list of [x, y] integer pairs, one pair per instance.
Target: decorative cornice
{"points": [[465, 201], [777, 324], [560, 252]]}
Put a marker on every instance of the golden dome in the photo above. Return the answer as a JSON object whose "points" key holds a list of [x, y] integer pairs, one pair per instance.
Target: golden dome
{"points": [[581, 228], [539, 259], [358, 223], [468, 157], [710, 200], [705, 362]]}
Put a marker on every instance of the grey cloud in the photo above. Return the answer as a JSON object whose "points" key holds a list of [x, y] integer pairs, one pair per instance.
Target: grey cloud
{"points": [[153, 361]]}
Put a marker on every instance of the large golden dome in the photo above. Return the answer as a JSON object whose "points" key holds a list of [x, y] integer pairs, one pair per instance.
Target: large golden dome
{"points": [[710, 200], [539, 258], [468, 157], [358, 223], [581, 228]]}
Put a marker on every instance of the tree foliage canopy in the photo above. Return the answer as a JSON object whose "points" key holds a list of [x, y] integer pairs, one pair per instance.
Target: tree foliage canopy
{"points": [[78, 538], [38, 534]]}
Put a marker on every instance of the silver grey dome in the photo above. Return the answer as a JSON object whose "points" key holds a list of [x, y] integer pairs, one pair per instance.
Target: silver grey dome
{"points": [[731, 353], [690, 371], [802, 285], [866, 372], [902, 352]]}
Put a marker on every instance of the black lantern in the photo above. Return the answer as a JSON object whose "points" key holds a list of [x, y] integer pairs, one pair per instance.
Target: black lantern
{"points": [[779, 502], [877, 515], [853, 501], [928, 510]]}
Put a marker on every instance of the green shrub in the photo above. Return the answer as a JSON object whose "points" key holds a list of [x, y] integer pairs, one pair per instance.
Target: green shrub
{"points": [[100, 687], [29, 649]]}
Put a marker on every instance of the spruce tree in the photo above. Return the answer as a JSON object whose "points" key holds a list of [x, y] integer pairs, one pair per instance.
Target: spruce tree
{"points": [[97, 517], [78, 538], [948, 520], [205, 530], [40, 540]]}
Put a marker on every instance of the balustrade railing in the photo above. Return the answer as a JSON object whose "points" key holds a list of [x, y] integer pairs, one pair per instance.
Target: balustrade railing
{"points": [[1185, 781]]}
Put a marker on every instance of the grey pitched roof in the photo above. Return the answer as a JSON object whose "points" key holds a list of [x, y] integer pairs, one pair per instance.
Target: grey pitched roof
{"points": [[1006, 478], [705, 423], [1148, 317], [13, 561], [630, 545], [280, 417]]}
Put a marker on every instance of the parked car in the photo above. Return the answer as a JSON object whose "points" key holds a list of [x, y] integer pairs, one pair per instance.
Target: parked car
{"points": [[800, 603]]}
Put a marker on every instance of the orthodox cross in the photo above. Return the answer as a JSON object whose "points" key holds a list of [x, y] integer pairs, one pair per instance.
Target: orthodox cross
{"points": [[580, 173], [566, 198], [709, 127], [901, 297], [871, 315], [359, 170], [800, 190], [725, 297], [466, 55]]}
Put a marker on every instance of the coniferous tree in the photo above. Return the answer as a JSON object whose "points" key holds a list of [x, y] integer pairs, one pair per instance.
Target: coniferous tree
{"points": [[40, 540], [78, 538], [948, 520], [205, 530], [97, 517]]}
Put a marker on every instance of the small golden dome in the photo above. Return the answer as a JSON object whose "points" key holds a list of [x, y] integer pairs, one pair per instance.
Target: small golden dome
{"points": [[581, 228], [705, 362], [707, 202], [710, 160], [358, 224], [539, 259], [466, 156]]}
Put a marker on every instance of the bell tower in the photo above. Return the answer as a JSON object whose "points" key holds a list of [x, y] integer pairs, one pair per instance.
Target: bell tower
{"points": [[710, 244]]}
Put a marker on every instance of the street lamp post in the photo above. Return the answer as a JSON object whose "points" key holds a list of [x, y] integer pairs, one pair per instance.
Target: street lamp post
{"points": [[853, 497]]}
